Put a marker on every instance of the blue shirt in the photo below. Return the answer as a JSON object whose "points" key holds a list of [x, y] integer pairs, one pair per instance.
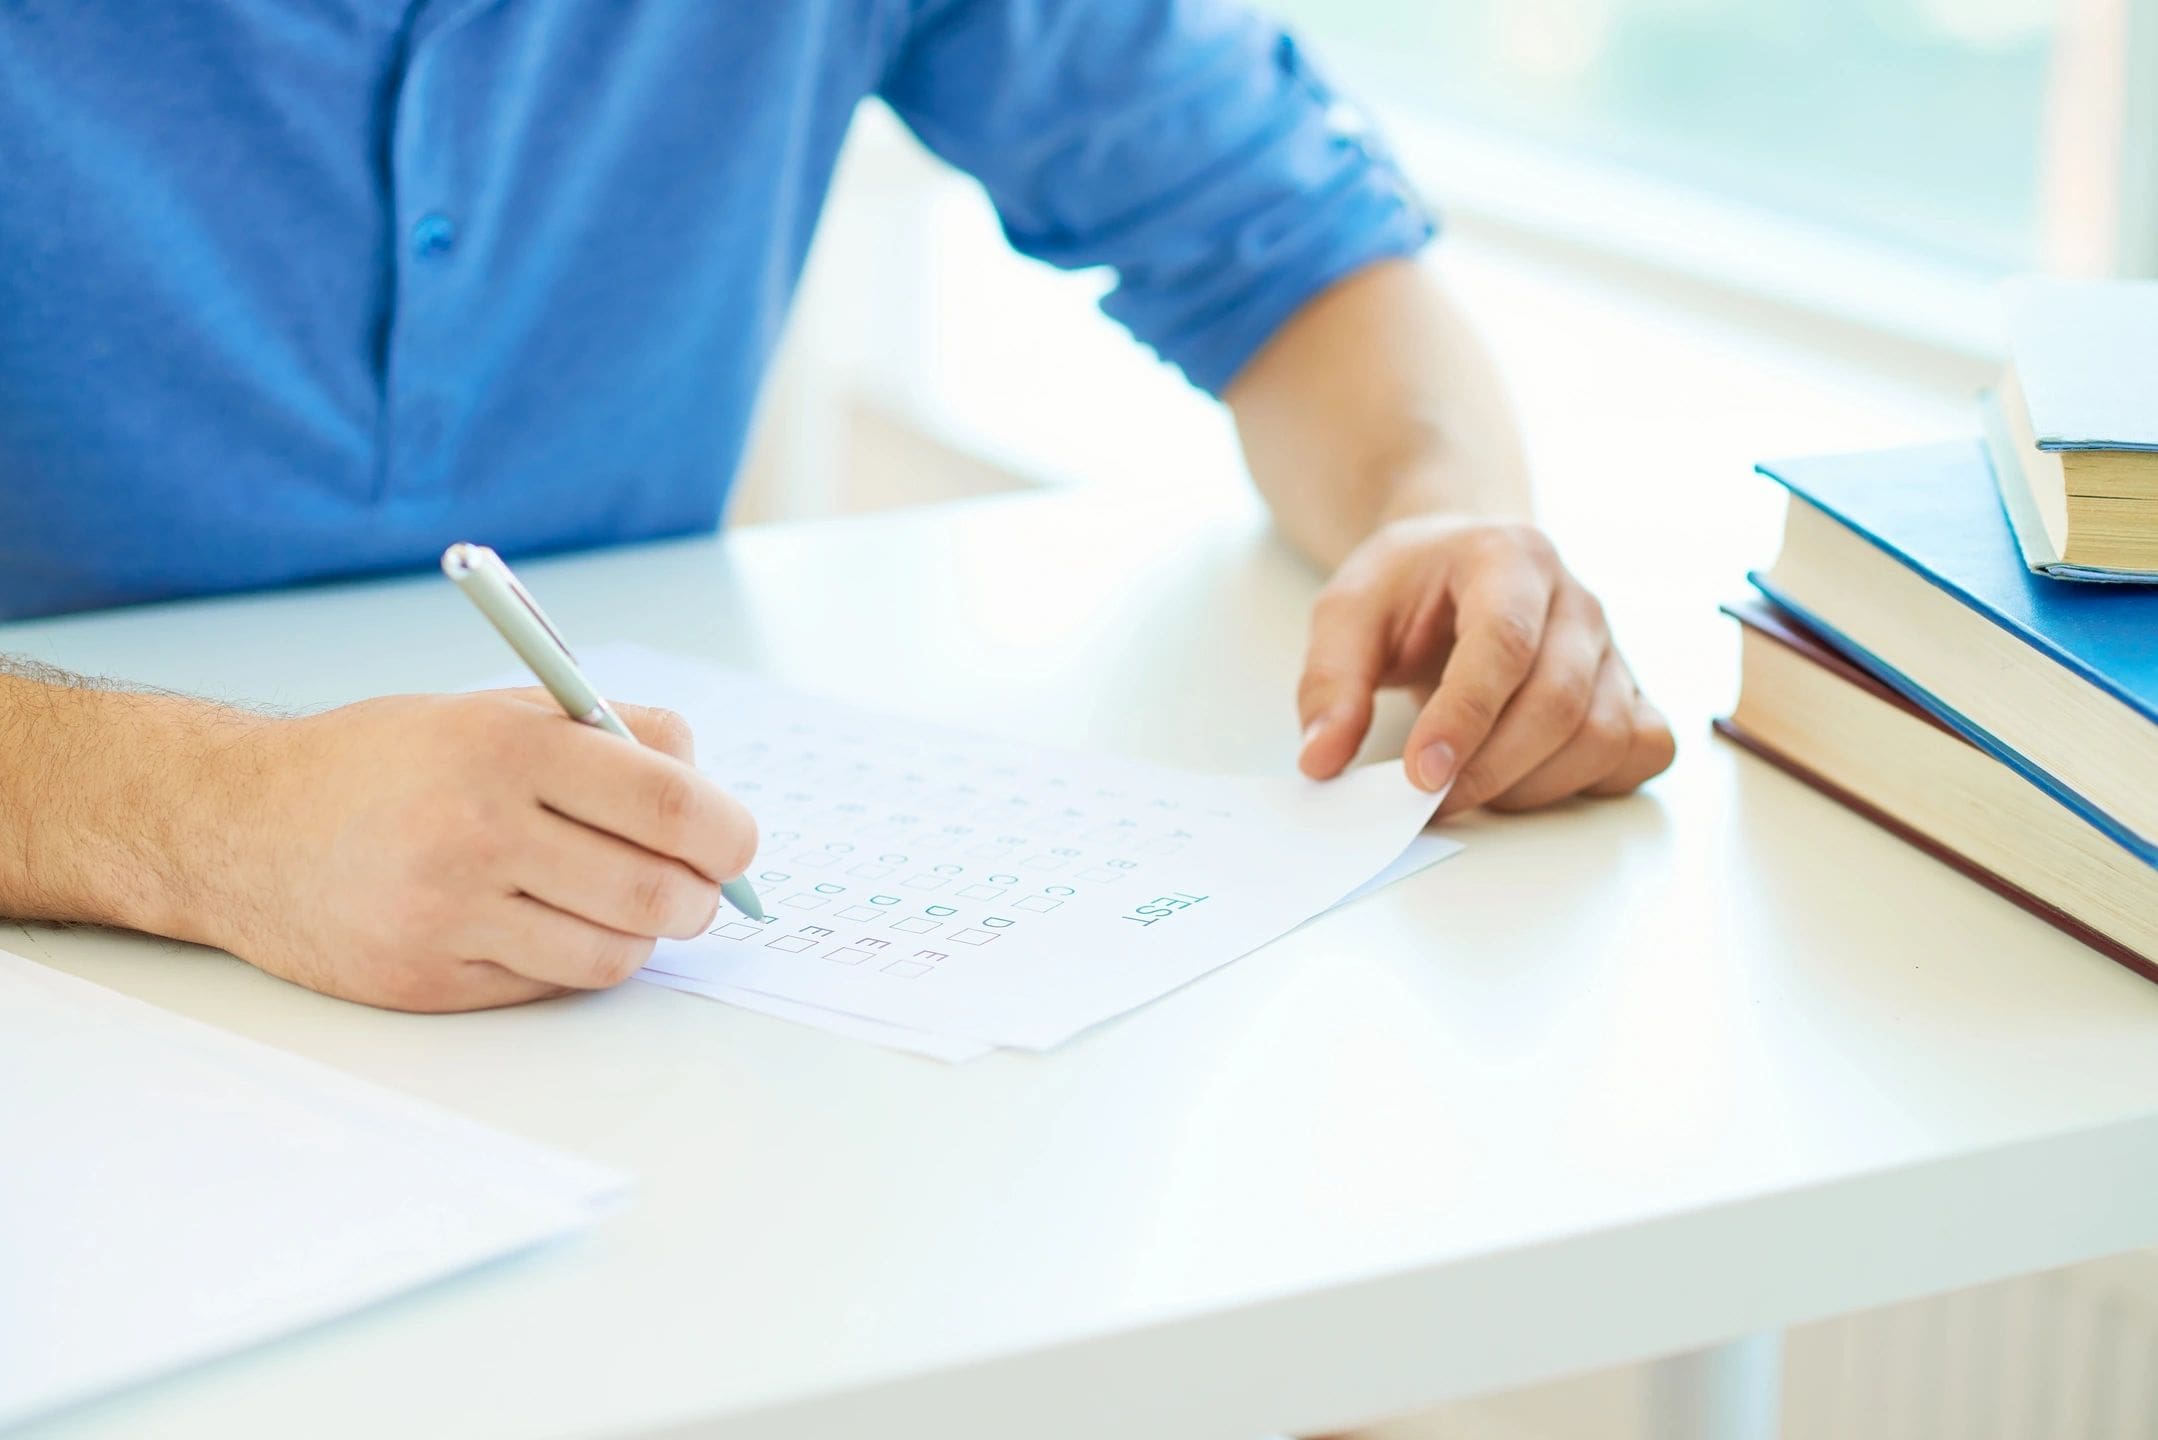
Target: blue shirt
{"points": [[300, 288]]}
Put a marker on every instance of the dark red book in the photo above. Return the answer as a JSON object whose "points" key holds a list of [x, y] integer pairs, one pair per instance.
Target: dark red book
{"points": [[1808, 710]]}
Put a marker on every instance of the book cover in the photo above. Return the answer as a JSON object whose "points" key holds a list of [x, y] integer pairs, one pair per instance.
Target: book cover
{"points": [[1936, 509], [2086, 354]]}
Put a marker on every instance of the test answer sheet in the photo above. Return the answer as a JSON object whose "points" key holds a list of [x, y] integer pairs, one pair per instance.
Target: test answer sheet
{"points": [[171, 1192], [990, 892], [1424, 851]]}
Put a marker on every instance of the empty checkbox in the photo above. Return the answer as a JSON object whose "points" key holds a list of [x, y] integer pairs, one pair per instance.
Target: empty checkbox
{"points": [[915, 925], [981, 892], [737, 931], [974, 937], [847, 955], [909, 968], [792, 944], [1041, 903]]}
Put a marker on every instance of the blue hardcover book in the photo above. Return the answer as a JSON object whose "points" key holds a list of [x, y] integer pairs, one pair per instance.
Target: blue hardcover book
{"points": [[1905, 559]]}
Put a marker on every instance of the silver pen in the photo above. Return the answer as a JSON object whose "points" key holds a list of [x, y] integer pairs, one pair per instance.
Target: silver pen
{"points": [[489, 584]]}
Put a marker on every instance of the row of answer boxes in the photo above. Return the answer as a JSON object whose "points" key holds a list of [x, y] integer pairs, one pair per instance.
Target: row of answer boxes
{"points": [[797, 943]]}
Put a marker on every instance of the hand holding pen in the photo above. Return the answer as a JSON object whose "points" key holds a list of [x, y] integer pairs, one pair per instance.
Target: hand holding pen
{"points": [[443, 852], [491, 586]]}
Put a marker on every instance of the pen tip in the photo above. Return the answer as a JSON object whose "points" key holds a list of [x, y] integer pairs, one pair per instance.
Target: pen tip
{"points": [[743, 897]]}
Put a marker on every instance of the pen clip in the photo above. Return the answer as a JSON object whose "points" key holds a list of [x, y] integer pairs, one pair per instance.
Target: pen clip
{"points": [[524, 598]]}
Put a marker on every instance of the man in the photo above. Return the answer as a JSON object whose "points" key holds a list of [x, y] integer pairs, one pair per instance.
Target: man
{"points": [[299, 288]]}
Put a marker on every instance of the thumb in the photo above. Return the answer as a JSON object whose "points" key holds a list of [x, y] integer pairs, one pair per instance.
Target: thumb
{"points": [[1342, 666]]}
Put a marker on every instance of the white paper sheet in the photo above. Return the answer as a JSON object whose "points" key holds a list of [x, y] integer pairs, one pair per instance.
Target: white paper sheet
{"points": [[991, 890], [170, 1192], [1424, 851]]}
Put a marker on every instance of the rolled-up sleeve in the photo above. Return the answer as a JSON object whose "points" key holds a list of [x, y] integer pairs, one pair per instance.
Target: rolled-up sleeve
{"points": [[1187, 144]]}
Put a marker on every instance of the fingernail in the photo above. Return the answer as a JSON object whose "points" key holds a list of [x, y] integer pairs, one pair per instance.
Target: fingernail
{"points": [[1435, 766], [1320, 723]]}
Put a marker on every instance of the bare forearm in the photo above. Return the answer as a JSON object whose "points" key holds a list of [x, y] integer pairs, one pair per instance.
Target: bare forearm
{"points": [[424, 852], [1375, 402], [111, 801]]}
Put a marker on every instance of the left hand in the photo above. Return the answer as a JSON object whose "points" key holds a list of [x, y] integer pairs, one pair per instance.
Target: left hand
{"points": [[1525, 698]]}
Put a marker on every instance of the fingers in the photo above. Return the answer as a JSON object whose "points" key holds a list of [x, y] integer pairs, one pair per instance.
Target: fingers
{"points": [[1652, 750], [663, 730], [1595, 750], [1499, 627], [1541, 716], [1342, 666], [1533, 703], [655, 802], [420, 985], [609, 882], [556, 950], [484, 985]]}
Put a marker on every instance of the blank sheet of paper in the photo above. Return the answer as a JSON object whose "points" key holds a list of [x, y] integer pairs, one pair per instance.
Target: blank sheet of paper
{"points": [[992, 891], [172, 1193]]}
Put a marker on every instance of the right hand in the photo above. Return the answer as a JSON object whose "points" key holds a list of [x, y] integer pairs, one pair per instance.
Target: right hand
{"points": [[454, 852]]}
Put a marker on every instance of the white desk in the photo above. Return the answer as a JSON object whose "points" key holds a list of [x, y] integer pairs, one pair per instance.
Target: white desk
{"points": [[1620, 1080]]}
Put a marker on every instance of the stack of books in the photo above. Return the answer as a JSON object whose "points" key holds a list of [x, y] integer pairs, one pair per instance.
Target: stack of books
{"points": [[1912, 657]]}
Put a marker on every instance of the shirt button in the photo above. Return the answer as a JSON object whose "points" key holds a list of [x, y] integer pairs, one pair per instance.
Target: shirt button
{"points": [[433, 234]]}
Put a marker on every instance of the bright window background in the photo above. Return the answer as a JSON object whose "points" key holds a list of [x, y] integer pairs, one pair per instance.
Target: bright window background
{"points": [[1918, 123]]}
